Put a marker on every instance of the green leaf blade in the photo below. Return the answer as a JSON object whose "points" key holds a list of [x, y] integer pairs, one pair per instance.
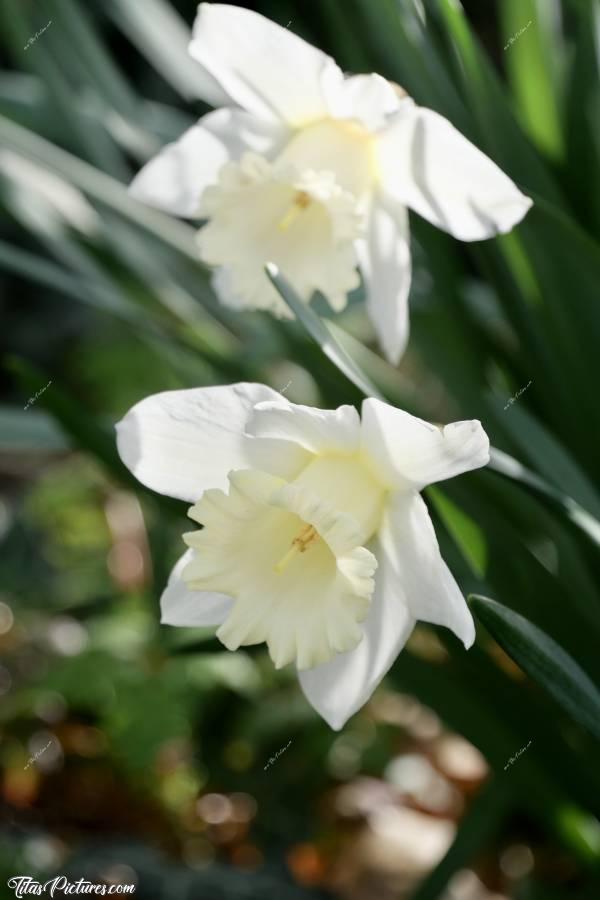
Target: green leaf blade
{"points": [[543, 660]]}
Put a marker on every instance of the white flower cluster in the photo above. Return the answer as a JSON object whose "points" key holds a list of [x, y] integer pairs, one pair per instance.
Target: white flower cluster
{"points": [[315, 539], [314, 171]]}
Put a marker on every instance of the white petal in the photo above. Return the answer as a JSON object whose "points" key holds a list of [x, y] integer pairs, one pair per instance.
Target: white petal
{"points": [[370, 99], [181, 606], [432, 593], [385, 263], [180, 443], [263, 67], [408, 452], [317, 430], [339, 688], [428, 165], [175, 179]]}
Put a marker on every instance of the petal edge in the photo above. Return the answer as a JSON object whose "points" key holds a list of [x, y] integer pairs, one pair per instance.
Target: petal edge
{"points": [[263, 67], [428, 165], [180, 443], [339, 688]]}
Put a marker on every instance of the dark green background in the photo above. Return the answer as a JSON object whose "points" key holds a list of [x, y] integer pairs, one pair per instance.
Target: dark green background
{"points": [[111, 306]]}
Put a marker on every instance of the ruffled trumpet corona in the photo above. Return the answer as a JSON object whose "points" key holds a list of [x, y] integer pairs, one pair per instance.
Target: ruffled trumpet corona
{"points": [[315, 538]]}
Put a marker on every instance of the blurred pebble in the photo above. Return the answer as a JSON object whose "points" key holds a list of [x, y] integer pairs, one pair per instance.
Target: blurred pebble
{"points": [[414, 840], [45, 750], [414, 775], [243, 807], [426, 726], [459, 759], [465, 885], [67, 636], [362, 796], [395, 709], [214, 808], [45, 852], [119, 873], [517, 861]]}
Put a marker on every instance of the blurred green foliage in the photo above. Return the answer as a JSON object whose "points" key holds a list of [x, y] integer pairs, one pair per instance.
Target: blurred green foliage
{"points": [[105, 299]]}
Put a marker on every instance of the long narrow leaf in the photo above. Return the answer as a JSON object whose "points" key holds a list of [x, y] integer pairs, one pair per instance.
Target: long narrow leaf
{"points": [[505, 465], [320, 333], [543, 660], [98, 185]]}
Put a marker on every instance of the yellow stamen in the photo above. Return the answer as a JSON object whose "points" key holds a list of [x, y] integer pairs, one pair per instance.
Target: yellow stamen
{"points": [[300, 544], [300, 202]]}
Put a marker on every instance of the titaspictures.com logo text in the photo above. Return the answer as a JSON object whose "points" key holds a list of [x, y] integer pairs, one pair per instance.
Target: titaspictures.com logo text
{"points": [[25, 886]]}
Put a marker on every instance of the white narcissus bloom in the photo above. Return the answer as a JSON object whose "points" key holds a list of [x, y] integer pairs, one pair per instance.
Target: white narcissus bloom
{"points": [[315, 539], [313, 171]]}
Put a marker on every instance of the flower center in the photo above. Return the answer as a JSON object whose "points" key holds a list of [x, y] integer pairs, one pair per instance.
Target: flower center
{"points": [[307, 536], [299, 218], [349, 486], [340, 146], [301, 201], [301, 579]]}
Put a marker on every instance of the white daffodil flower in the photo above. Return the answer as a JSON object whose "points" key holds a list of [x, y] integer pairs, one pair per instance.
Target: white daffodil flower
{"points": [[313, 171], [315, 539]]}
